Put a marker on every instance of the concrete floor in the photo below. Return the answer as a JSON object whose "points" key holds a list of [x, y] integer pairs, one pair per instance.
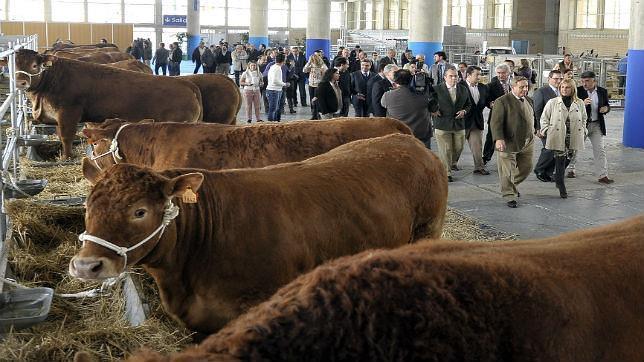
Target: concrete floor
{"points": [[541, 212]]}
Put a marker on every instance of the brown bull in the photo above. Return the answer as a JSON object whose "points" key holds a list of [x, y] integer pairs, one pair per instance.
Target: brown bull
{"points": [[576, 297], [251, 231], [66, 46], [131, 64], [66, 92], [221, 98], [212, 146], [105, 57], [77, 53]]}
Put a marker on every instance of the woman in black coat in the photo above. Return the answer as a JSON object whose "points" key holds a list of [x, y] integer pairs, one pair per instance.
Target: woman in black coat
{"points": [[328, 94]]}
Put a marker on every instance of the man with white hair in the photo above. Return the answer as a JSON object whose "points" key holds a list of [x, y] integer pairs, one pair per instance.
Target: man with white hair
{"points": [[421, 66], [379, 88], [498, 86]]}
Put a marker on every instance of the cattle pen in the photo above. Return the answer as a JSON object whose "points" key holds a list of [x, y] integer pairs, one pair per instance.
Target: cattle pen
{"points": [[42, 215]]}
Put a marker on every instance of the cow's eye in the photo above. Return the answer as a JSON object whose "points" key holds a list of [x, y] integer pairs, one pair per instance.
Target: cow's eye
{"points": [[139, 213]]}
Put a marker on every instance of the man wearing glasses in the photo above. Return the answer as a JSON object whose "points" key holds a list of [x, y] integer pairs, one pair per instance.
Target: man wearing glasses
{"points": [[546, 163]]}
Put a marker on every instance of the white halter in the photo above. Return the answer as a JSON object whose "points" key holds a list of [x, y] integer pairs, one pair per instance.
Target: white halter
{"points": [[170, 212], [30, 75], [114, 149]]}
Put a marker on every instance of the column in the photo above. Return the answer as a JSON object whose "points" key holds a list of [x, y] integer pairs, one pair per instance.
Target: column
{"points": [[318, 27], [193, 26], [158, 23], [258, 31], [633, 114], [47, 11], [425, 27]]}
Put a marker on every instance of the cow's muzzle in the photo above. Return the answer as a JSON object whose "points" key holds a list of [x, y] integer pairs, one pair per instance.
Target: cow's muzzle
{"points": [[90, 268]]}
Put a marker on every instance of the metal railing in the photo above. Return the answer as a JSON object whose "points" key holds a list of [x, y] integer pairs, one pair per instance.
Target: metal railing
{"points": [[16, 104]]}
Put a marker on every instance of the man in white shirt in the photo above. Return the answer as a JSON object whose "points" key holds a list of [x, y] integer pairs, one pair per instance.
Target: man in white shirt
{"points": [[274, 88], [596, 100]]}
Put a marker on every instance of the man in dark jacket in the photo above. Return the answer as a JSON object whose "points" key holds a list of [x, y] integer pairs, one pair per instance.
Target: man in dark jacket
{"points": [[175, 59], [450, 103], [378, 77], [498, 86], [208, 61], [546, 165], [299, 61], [342, 65], [197, 53], [359, 80], [409, 107], [474, 122], [596, 100], [379, 89], [160, 59]]}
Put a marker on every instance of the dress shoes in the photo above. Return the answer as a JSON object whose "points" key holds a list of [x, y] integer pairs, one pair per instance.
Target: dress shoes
{"points": [[605, 180], [450, 179], [543, 177], [481, 172], [455, 168], [571, 174], [512, 204]]}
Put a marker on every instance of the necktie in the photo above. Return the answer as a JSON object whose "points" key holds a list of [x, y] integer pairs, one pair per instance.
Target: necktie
{"points": [[452, 94], [521, 99], [505, 88], [365, 75], [440, 73]]}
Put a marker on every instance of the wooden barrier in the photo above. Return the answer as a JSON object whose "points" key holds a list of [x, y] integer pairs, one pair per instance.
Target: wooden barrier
{"points": [[80, 33]]}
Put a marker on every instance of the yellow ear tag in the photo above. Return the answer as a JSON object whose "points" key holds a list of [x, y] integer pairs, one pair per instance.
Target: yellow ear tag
{"points": [[189, 197], [48, 63]]}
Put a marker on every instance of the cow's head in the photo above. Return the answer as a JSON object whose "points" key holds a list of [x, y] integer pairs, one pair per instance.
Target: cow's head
{"points": [[126, 213], [100, 136], [30, 66]]}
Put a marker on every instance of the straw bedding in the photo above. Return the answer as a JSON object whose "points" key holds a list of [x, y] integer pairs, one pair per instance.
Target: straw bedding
{"points": [[44, 240]]}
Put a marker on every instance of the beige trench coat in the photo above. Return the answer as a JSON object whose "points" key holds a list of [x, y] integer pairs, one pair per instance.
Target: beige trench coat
{"points": [[553, 124]]}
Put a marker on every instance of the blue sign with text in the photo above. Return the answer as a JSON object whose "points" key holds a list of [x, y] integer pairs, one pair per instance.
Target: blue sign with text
{"points": [[175, 20]]}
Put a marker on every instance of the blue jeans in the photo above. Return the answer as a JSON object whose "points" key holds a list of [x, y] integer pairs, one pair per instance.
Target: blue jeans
{"points": [[273, 104]]}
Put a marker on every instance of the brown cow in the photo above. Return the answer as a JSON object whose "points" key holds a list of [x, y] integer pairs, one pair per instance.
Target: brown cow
{"points": [[220, 97], [254, 230], [576, 297], [66, 92], [214, 147], [75, 54], [105, 57], [66, 46], [131, 64]]}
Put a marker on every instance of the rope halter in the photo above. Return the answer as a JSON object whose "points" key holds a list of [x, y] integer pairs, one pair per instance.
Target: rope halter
{"points": [[170, 212], [114, 149], [30, 75]]}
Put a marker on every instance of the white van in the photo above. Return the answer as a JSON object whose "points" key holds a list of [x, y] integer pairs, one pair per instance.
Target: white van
{"points": [[499, 50]]}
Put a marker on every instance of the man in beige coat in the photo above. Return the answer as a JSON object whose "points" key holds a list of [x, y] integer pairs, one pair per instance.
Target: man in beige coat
{"points": [[512, 125]]}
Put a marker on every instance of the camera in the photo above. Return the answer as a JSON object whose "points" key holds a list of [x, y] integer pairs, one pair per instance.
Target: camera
{"points": [[421, 82]]}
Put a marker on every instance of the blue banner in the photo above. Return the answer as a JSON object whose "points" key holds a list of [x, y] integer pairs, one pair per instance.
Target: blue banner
{"points": [[180, 21]]}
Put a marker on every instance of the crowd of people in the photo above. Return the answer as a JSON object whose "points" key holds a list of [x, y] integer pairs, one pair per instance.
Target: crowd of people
{"points": [[435, 99]]}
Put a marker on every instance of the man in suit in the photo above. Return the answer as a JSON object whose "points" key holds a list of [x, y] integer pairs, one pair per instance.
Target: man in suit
{"points": [[546, 165], [512, 126], [359, 80], [474, 122], [498, 86], [299, 61], [462, 71], [391, 54], [375, 79], [409, 107], [437, 72], [342, 65], [379, 89], [596, 100], [450, 103]]}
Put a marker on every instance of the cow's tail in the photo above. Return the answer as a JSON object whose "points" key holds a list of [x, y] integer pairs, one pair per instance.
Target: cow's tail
{"points": [[200, 100]]}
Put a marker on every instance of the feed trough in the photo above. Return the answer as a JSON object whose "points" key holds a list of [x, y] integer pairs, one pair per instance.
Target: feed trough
{"points": [[32, 140], [24, 188], [24, 307]]}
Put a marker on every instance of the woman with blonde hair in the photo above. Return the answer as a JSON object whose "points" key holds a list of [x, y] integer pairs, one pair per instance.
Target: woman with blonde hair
{"points": [[315, 67], [563, 123], [252, 81]]}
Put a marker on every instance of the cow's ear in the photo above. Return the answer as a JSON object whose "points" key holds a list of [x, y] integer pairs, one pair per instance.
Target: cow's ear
{"points": [[48, 60], [180, 184], [96, 134], [90, 171]]}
